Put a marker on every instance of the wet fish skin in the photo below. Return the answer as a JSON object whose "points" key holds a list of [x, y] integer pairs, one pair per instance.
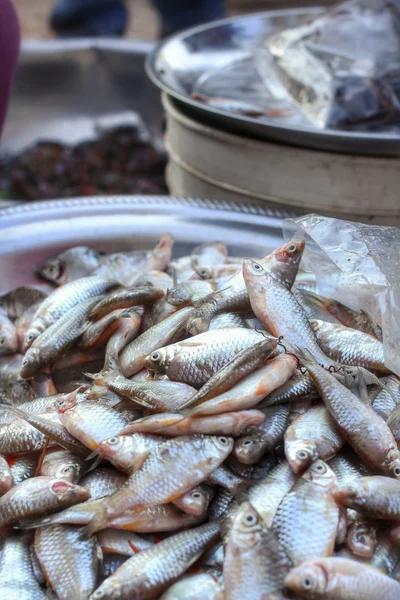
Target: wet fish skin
{"points": [[195, 360], [18, 581], [8, 336], [96, 334], [69, 265], [252, 390], [341, 579], [266, 495], [375, 496], [132, 357], [350, 346], [125, 298], [277, 308], [148, 573], [311, 436], [57, 339], [126, 543], [63, 464], [190, 292], [6, 476], [61, 301], [394, 424], [307, 519], [196, 501], [214, 253], [356, 422], [90, 422], [201, 586], [263, 438], [128, 452], [383, 402], [19, 300], [23, 467], [38, 497], [298, 387], [229, 481], [243, 364], [361, 538], [102, 482], [255, 564], [68, 560], [177, 466], [128, 328]]}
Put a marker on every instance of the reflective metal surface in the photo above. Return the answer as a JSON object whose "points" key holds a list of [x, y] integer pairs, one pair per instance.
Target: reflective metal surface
{"points": [[31, 232], [197, 59], [63, 87]]}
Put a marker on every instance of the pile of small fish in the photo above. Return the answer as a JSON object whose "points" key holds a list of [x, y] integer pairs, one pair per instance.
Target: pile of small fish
{"points": [[201, 428]]}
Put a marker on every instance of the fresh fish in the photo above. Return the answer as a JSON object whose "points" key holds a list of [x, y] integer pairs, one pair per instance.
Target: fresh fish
{"points": [[201, 586], [22, 467], [69, 265], [90, 422], [243, 364], [394, 424], [263, 438], [214, 253], [341, 579], [98, 333], [345, 315], [8, 336], [361, 538], [350, 346], [214, 557], [56, 340], [103, 482], [196, 501], [18, 581], [132, 357], [110, 563], [255, 563], [383, 402], [128, 328], [299, 386], [125, 298], [16, 302], [266, 495], [177, 465], [148, 573], [225, 478], [13, 388], [126, 543], [307, 520], [227, 319], [283, 264], [190, 292], [158, 279], [39, 497], [217, 271], [356, 422], [195, 360], [128, 452], [220, 504], [376, 497], [311, 436], [62, 300], [68, 560], [63, 465], [173, 424], [6, 476], [153, 395], [251, 390]]}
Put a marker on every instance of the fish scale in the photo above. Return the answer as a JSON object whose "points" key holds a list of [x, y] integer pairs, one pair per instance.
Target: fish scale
{"points": [[18, 581]]}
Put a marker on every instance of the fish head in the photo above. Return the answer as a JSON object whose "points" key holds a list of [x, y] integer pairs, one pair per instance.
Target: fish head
{"points": [[247, 527], [52, 270], [352, 495], [68, 402], [204, 272], [300, 454], [68, 471], [361, 539], [162, 253], [31, 335], [308, 579], [248, 449], [29, 362], [68, 493], [196, 501], [110, 589], [321, 474], [223, 444], [393, 463], [108, 448], [160, 359], [284, 262]]}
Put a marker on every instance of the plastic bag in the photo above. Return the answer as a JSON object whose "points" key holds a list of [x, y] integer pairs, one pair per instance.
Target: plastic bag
{"points": [[342, 69], [359, 265]]}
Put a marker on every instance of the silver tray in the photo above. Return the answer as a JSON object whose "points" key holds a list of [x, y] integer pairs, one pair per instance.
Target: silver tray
{"points": [[31, 232], [177, 64], [62, 88]]}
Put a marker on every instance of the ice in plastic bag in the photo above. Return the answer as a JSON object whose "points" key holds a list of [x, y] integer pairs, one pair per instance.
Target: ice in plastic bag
{"points": [[358, 265], [343, 68]]}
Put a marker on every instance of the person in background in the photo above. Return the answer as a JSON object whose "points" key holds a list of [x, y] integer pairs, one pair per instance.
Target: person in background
{"points": [[9, 50], [97, 18]]}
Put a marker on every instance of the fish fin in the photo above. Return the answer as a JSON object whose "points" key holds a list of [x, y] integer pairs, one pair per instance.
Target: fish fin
{"points": [[99, 521], [134, 547]]}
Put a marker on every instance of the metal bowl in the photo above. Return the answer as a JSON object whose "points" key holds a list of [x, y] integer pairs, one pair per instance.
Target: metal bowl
{"points": [[178, 64], [29, 233]]}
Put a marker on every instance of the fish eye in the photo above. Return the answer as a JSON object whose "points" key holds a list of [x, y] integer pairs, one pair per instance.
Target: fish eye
{"points": [[320, 468], [204, 272], [362, 539], [397, 471], [112, 441], [2, 341], [250, 519], [25, 362], [247, 442], [67, 469], [155, 356], [307, 583], [292, 248], [196, 495], [223, 440], [302, 454], [257, 267]]}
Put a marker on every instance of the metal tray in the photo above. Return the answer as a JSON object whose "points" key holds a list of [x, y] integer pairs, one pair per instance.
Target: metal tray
{"points": [[63, 87], [178, 64], [29, 233]]}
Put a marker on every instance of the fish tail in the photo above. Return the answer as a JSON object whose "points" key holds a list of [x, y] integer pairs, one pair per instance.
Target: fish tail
{"points": [[99, 521]]}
